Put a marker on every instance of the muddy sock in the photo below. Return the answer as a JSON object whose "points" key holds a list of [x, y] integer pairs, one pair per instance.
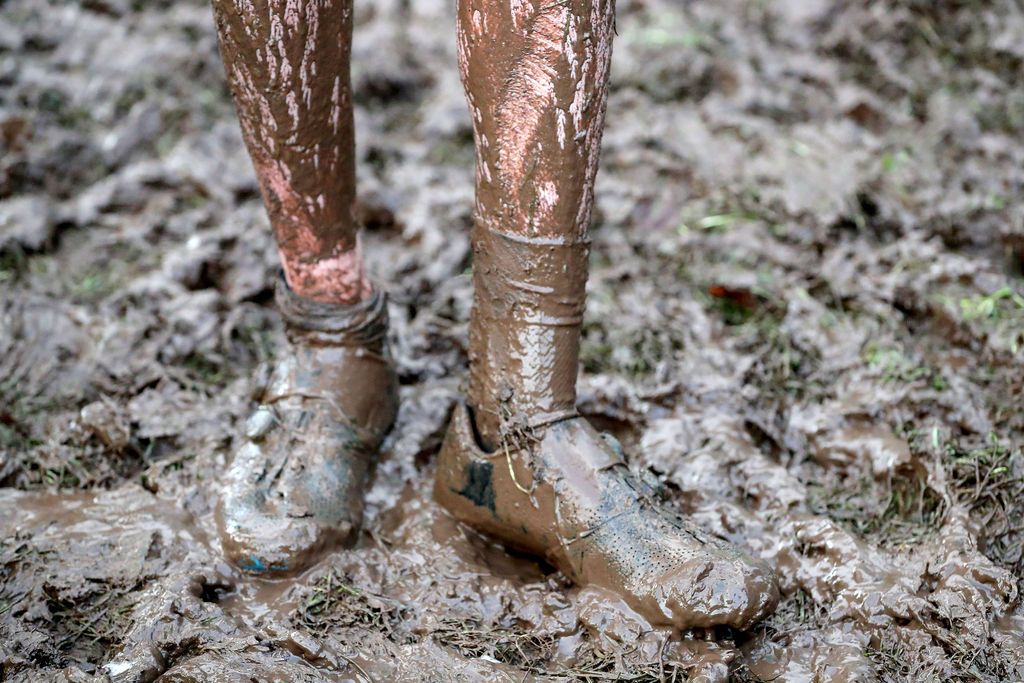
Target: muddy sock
{"points": [[353, 370], [288, 67], [524, 336]]}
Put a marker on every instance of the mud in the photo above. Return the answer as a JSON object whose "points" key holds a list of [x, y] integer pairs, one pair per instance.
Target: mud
{"points": [[524, 337], [803, 318]]}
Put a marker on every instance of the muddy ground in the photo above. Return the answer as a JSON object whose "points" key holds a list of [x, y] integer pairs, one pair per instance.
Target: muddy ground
{"points": [[806, 317]]}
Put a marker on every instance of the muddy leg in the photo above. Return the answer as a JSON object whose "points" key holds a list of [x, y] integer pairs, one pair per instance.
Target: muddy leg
{"points": [[288, 65], [530, 470], [536, 77], [295, 485]]}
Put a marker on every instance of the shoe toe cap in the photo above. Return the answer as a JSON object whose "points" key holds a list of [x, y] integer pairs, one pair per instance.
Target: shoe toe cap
{"points": [[737, 592]]}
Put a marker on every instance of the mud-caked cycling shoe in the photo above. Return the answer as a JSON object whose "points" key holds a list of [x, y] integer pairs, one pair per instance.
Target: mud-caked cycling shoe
{"points": [[295, 487], [567, 496]]}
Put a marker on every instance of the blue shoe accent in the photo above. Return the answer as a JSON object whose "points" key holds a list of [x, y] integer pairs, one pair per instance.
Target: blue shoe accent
{"points": [[254, 564]]}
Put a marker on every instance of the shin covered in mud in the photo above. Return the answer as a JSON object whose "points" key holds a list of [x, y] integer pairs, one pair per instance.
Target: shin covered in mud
{"points": [[288, 66]]}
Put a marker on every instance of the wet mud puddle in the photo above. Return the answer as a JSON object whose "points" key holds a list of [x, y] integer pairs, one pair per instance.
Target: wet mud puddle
{"points": [[141, 576], [129, 558]]}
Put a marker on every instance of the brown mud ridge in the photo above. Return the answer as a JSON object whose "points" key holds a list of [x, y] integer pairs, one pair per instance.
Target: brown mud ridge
{"points": [[805, 320]]}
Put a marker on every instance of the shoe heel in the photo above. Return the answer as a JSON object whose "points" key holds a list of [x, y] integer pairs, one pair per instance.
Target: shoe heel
{"points": [[463, 483]]}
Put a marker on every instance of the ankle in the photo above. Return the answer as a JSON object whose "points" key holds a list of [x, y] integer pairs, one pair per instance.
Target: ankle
{"points": [[339, 353], [525, 329], [497, 424], [339, 279], [361, 324]]}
